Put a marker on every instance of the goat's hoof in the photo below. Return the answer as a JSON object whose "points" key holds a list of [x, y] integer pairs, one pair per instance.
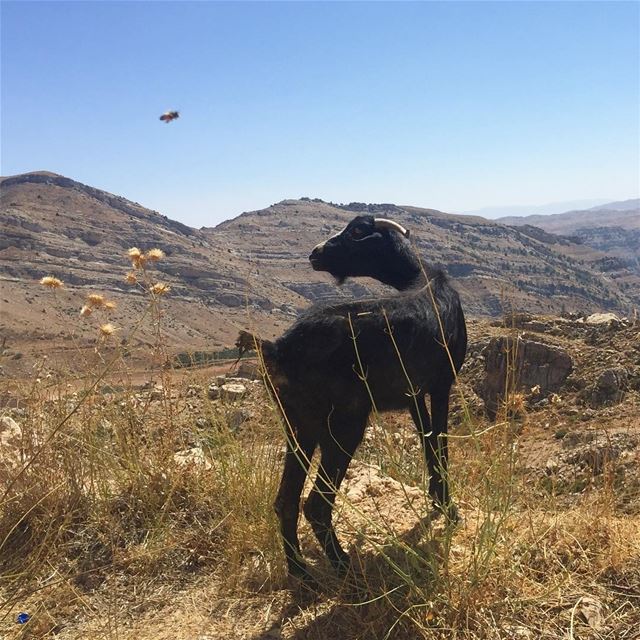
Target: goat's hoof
{"points": [[297, 569], [302, 580], [449, 512], [304, 585]]}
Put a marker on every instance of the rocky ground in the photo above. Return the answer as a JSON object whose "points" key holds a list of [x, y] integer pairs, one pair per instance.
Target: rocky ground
{"points": [[576, 394], [563, 392]]}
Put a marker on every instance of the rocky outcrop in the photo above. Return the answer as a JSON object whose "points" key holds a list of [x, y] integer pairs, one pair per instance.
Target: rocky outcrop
{"points": [[249, 370], [607, 319], [609, 388], [516, 364], [586, 456]]}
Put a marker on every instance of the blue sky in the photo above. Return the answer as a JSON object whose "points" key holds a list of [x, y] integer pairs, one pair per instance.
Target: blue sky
{"points": [[454, 105]]}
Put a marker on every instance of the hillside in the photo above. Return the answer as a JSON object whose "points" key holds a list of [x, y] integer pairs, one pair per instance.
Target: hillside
{"points": [[496, 212], [54, 225], [621, 205], [612, 229], [494, 266], [253, 270], [625, 214]]}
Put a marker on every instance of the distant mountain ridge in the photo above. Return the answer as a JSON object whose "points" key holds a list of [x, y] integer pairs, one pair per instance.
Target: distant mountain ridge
{"points": [[612, 228], [625, 214], [623, 205], [253, 270], [520, 210]]}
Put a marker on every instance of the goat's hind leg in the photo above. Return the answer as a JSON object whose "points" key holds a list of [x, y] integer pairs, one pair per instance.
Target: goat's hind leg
{"points": [[287, 504], [433, 437], [337, 448], [439, 486], [422, 421]]}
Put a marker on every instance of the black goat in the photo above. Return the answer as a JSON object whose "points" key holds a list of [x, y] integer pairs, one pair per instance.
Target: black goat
{"points": [[340, 360]]}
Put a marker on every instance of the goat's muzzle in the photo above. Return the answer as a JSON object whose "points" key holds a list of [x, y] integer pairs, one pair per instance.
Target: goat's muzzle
{"points": [[316, 257]]}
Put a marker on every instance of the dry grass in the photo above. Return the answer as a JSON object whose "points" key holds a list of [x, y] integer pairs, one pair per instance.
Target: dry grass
{"points": [[101, 525]]}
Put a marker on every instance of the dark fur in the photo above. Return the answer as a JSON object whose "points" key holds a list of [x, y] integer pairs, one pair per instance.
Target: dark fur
{"points": [[314, 370]]}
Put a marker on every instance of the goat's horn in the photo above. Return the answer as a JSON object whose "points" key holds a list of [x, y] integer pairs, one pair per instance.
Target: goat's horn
{"points": [[383, 223]]}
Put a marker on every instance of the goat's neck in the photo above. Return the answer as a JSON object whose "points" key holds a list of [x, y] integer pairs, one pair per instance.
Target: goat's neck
{"points": [[407, 273]]}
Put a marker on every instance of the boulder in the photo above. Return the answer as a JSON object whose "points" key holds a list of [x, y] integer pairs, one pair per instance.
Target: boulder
{"points": [[157, 393], [193, 457], [248, 370], [608, 319], [237, 418], [610, 387], [517, 364], [233, 391]]}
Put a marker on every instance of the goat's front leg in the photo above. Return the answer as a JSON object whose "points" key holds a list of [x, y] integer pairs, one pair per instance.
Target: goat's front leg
{"points": [[337, 451], [287, 503], [433, 436]]}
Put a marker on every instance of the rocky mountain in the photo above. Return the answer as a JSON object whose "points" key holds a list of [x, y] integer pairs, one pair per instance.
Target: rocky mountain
{"points": [[612, 229], [495, 267], [253, 270], [54, 225], [625, 215], [622, 205], [513, 210]]}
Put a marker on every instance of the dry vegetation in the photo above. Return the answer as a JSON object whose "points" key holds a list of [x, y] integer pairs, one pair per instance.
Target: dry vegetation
{"points": [[145, 512]]}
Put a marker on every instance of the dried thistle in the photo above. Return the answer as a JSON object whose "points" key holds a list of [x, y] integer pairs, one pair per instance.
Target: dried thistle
{"points": [[153, 255], [131, 278], [51, 282], [96, 300], [110, 305], [137, 257], [160, 288], [107, 329]]}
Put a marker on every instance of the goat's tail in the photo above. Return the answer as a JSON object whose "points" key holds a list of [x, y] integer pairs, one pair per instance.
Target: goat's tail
{"points": [[266, 349]]}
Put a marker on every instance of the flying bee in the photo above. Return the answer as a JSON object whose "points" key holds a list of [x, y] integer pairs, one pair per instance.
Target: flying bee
{"points": [[169, 116]]}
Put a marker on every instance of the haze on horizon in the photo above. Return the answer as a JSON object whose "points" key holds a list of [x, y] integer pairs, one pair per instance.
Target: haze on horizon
{"points": [[454, 106]]}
